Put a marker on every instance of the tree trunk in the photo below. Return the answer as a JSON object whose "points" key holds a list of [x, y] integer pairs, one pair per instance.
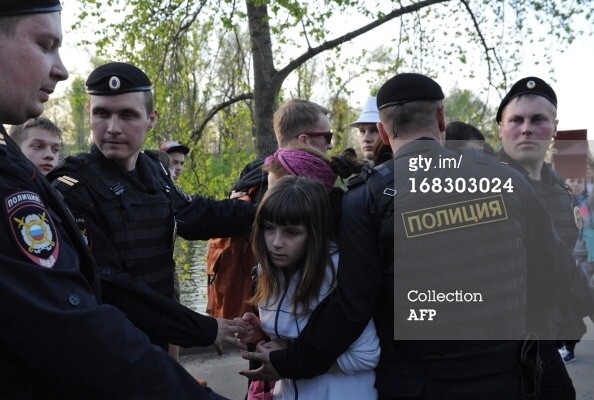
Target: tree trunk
{"points": [[266, 82]]}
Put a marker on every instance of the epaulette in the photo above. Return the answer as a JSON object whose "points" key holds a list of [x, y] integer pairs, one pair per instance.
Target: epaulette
{"points": [[64, 183]]}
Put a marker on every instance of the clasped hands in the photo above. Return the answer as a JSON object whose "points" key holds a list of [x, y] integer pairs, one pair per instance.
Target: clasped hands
{"points": [[254, 334]]}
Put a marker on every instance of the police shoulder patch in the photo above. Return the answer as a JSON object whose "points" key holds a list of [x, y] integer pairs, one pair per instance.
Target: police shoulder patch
{"points": [[32, 228]]}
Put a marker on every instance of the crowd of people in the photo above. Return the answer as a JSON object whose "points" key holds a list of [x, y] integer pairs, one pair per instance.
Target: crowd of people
{"points": [[311, 277]]}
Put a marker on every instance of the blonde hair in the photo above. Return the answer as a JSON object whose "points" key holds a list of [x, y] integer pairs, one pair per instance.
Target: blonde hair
{"points": [[296, 116], [18, 133]]}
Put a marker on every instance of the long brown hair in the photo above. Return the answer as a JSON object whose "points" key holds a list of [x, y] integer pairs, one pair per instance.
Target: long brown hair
{"points": [[292, 201]]}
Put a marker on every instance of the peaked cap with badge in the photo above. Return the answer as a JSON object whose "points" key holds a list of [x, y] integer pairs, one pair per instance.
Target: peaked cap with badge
{"points": [[116, 78], [407, 87], [529, 85], [9, 8]]}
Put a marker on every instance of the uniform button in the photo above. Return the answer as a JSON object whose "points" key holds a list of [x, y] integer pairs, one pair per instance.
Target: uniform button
{"points": [[74, 300], [106, 272]]}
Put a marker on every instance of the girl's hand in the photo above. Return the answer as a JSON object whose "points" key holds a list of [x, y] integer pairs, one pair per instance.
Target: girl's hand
{"points": [[253, 332]]}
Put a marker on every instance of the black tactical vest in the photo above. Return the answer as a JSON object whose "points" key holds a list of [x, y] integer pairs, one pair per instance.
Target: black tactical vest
{"points": [[493, 256], [560, 204], [137, 213], [556, 198]]}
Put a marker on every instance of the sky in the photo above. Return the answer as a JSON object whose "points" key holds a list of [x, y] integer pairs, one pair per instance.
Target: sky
{"points": [[573, 78]]}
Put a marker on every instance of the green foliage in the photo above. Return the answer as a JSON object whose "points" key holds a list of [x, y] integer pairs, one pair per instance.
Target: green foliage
{"points": [[200, 54], [464, 105], [78, 99], [200, 51]]}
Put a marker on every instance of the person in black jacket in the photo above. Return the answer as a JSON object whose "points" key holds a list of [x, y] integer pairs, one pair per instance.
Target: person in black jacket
{"points": [[490, 254], [57, 340], [125, 202], [527, 118]]}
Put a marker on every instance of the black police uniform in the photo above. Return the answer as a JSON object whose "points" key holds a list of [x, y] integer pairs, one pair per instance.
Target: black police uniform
{"points": [[560, 204], [130, 220], [505, 251], [56, 341]]}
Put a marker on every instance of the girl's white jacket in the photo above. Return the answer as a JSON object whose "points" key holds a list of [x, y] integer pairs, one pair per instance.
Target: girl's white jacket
{"points": [[355, 377]]}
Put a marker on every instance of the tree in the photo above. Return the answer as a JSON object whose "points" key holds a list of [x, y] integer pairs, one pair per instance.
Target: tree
{"points": [[463, 105], [77, 97], [171, 39]]}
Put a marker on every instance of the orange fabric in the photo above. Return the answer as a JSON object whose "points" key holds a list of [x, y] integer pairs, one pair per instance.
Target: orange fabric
{"points": [[229, 263]]}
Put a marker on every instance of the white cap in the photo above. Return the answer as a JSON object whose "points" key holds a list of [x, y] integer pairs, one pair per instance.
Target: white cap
{"points": [[369, 115]]}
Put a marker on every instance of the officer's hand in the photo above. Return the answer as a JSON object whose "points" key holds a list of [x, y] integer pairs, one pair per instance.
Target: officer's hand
{"points": [[227, 332], [266, 372]]}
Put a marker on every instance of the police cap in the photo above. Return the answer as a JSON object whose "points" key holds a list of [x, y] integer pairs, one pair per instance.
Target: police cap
{"points": [[117, 78], [530, 85], [406, 87], [20, 7]]}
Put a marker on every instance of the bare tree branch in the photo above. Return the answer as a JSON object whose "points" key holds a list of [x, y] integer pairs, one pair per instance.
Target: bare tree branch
{"points": [[485, 46], [197, 134], [283, 73]]}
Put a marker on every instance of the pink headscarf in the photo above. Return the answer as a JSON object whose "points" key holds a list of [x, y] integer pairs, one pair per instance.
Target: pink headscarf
{"points": [[302, 163]]}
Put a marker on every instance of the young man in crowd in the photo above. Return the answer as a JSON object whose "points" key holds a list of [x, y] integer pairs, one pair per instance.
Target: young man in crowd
{"points": [[366, 125], [178, 153], [40, 141]]}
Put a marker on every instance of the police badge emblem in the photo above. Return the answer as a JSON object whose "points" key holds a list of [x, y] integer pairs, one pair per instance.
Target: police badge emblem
{"points": [[32, 228]]}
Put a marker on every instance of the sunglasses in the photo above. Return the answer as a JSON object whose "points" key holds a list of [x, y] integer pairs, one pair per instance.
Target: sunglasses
{"points": [[327, 135]]}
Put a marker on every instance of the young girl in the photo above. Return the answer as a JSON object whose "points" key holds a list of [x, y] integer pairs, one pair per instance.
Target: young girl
{"points": [[309, 162], [297, 269]]}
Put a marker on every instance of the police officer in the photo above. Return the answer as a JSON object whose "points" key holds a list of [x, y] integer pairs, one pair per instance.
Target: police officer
{"points": [[483, 241], [56, 340], [123, 201], [527, 118]]}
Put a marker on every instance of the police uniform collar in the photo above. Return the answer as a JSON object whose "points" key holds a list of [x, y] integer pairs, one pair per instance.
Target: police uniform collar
{"points": [[420, 145], [546, 174], [116, 173]]}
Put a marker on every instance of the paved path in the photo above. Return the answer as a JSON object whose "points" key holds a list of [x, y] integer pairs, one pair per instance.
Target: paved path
{"points": [[221, 373]]}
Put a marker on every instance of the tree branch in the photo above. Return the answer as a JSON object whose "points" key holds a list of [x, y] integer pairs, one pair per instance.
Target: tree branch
{"points": [[197, 134], [485, 46], [290, 67]]}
